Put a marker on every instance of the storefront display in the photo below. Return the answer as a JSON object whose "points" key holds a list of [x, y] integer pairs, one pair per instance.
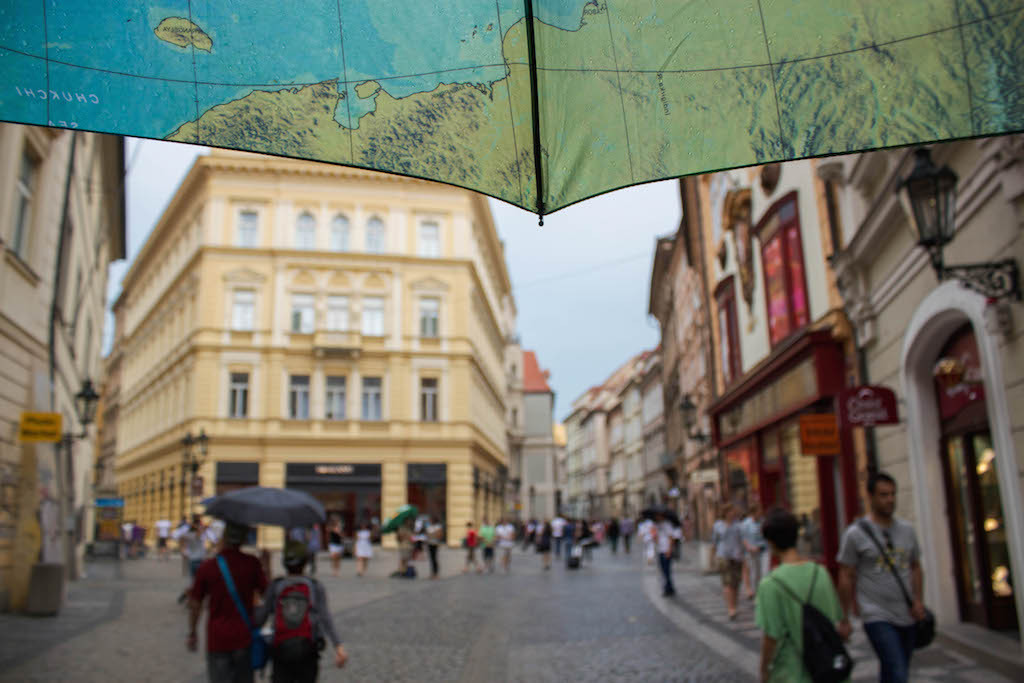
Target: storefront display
{"points": [[348, 492]]}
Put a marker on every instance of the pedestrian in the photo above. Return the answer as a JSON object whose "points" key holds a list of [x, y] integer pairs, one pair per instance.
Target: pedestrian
{"points": [[666, 536], [163, 533], [867, 582], [756, 558], [506, 541], [404, 535], [626, 528], [435, 535], [314, 545], [543, 544], [335, 545], [646, 531], [228, 632], [364, 548], [529, 537], [613, 535], [778, 611], [557, 530], [301, 618], [470, 543], [727, 549], [193, 549], [487, 539]]}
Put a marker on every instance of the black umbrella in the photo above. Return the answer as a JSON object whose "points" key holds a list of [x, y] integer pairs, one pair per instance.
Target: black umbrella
{"points": [[667, 513], [263, 505]]}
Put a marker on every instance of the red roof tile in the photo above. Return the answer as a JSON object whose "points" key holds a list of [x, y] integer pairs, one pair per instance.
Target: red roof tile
{"points": [[534, 379]]}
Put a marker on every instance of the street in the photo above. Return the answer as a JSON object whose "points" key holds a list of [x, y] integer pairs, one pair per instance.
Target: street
{"points": [[606, 622]]}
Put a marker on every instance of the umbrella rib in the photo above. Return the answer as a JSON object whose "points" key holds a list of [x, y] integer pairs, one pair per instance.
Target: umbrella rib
{"points": [[532, 49], [511, 115]]}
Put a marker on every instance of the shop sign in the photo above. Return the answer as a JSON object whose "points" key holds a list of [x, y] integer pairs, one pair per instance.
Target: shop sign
{"points": [[819, 434], [39, 427], [334, 469], [867, 406], [796, 386]]}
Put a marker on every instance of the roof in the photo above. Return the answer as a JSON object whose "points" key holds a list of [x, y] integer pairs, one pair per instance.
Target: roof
{"points": [[535, 381]]}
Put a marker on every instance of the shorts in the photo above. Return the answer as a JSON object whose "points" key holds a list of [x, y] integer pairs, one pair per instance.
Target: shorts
{"points": [[731, 571], [161, 543], [335, 549], [488, 552]]}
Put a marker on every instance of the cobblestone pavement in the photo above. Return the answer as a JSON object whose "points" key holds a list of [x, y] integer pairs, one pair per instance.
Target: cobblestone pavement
{"points": [[594, 624], [700, 609], [605, 622]]}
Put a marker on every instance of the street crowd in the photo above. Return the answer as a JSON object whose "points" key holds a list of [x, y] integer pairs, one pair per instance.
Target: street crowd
{"points": [[804, 615]]}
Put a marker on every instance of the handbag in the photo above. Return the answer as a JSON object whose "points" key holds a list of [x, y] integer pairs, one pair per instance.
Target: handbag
{"points": [[259, 651], [924, 634]]}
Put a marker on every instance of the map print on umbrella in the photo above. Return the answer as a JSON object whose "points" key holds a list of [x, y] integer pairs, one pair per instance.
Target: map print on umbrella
{"points": [[627, 91]]}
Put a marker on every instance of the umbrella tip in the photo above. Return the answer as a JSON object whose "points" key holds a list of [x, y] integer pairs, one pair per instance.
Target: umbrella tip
{"points": [[540, 221]]}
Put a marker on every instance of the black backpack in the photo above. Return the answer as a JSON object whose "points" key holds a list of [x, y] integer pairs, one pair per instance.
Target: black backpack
{"points": [[825, 657]]}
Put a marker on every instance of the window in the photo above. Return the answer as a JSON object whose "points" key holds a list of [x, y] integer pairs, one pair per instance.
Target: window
{"points": [[305, 232], [337, 313], [243, 307], [373, 316], [298, 397], [428, 399], [783, 263], [302, 313], [371, 398], [430, 240], [375, 236], [248, 228], [339, 233], [728, 330], [26, 188], [429, 311], [238, 395], [334, 406]]}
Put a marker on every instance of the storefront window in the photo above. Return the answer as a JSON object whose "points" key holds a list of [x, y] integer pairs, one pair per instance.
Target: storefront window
{"points": [[992, 514], [965, 534]]}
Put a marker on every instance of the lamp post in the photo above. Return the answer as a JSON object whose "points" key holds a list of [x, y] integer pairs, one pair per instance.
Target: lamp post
{"points": [[932, 195], [86, 401], [190, 463]]}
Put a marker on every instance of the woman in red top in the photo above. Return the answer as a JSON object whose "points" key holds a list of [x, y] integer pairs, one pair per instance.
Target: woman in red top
{"points": [[472, 540]]}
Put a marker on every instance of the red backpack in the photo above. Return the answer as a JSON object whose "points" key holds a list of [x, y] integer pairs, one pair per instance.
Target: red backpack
{"points": [[293, 609]]}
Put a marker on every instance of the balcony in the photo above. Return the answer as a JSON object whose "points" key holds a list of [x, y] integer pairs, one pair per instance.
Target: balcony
{"points": [[347, 343]]}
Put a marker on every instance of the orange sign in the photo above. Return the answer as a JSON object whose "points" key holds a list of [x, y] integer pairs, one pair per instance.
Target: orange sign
{"points": [[819, 434]]}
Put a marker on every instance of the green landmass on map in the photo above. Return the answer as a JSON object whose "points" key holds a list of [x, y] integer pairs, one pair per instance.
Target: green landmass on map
{"points": [[367, 89], [182, 32], [618, 107]]}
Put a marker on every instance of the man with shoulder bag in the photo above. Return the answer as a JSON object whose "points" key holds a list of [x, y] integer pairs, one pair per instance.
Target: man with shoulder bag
{"points": [[880, 573]]}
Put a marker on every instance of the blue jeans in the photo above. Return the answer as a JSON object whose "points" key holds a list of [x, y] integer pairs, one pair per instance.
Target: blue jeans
{"points": [[558, 546], [665, 562], [893, 644]]}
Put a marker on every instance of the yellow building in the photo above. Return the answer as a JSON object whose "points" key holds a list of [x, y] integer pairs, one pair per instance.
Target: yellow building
{"points": [[329, 329]]}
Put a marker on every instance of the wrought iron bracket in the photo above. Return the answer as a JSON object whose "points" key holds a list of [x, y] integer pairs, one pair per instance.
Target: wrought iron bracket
{"points": [[995, 280]]}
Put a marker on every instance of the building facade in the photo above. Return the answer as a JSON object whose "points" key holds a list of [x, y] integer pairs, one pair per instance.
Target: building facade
{"points": [[956, 361], [655, 484], [537, 482], [332, 330], [62, 202]]}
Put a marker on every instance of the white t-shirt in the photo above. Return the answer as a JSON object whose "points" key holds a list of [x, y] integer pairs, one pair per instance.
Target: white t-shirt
{"points": [[645, 530], [665, 532], [163, 528], [506, 535], [557, 527]]}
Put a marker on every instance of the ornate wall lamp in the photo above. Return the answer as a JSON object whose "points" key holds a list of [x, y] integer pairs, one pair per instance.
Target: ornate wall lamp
{"points": [[932, 195]]}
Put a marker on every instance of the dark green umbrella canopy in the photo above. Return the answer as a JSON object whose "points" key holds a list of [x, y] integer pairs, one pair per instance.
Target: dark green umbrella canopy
{"points": [[403, 515], [541, 103]]}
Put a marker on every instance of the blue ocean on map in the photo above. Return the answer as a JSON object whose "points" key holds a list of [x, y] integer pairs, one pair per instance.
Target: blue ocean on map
{"points": [[105, 54]]}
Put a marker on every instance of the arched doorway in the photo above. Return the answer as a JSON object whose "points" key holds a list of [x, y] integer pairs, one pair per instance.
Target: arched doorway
{"points": [[977, 523]]}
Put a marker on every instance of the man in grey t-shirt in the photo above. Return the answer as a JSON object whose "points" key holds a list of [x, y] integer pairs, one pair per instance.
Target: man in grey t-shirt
{"points": [[864, 573]]}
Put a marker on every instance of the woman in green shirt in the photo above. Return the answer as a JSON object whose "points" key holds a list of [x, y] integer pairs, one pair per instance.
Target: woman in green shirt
{"points": [[776, 613]]}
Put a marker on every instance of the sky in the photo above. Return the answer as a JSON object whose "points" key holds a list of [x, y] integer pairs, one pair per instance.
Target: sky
{"points": [[580, 282]]}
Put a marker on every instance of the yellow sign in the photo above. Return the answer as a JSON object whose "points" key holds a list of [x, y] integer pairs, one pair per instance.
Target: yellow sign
{"points": [[40, 427], [819, 434]]}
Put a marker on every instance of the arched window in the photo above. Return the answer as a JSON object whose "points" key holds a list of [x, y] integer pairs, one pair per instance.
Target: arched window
{"points": [[339, 233], [375, 236], [305, 231]]}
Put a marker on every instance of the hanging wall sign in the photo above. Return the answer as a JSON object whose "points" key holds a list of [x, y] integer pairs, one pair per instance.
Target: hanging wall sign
{"points": [[867, 406]]}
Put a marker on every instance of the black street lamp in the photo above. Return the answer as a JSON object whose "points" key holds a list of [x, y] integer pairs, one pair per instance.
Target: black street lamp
{"points": [[932, 195], [86, 401], [689, 411], [190, 463]]}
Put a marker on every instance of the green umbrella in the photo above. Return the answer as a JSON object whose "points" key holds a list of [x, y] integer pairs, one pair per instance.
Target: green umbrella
{"points": [[405, 513]]}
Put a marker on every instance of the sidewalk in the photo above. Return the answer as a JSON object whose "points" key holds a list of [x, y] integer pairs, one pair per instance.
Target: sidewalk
{"points": [[699, 609]]}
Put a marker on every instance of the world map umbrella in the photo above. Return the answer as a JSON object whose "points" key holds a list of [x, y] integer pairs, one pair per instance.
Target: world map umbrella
{"points": [[540, 103], [264, 505]]}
